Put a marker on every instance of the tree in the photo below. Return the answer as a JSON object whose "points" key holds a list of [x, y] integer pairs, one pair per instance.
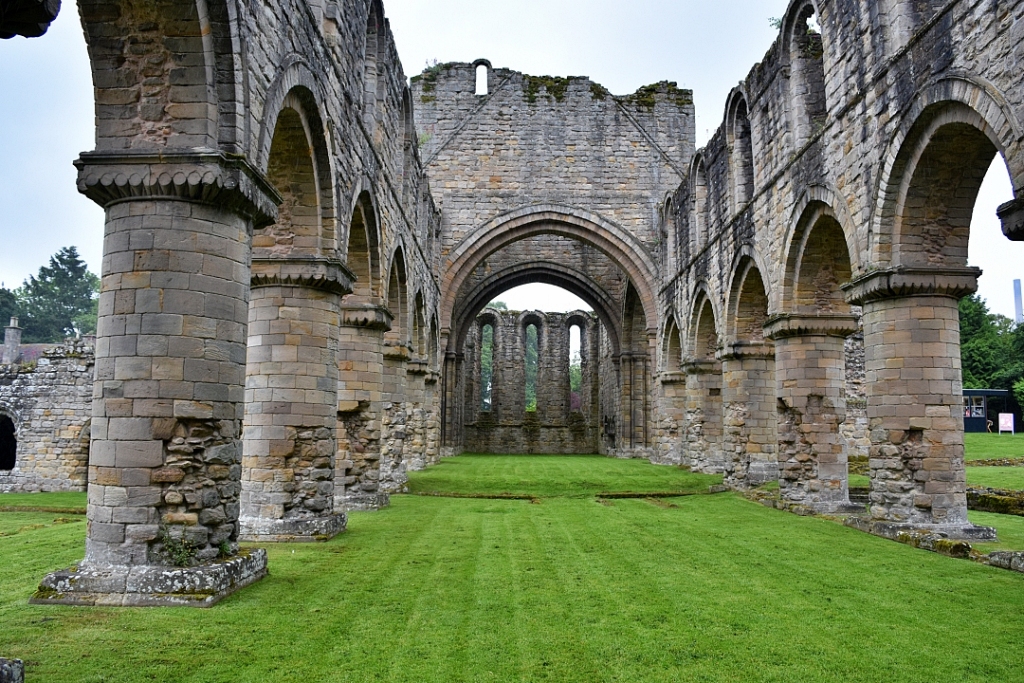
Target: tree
{"points": [[8, 305], [60, 301]]}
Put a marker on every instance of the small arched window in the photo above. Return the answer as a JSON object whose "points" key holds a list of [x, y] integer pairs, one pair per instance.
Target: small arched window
{"points": [[8, 444], [575, 369], [486, 367], [481, 79], [531, 364]]}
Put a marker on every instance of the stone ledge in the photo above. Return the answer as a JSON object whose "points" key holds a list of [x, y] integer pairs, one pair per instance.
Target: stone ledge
{"points": [[369, 316], [313, 273], [925, 536], [11, 671], [366, 501], [907, 281], [149, 586], [259, 530], [1011, 215], [783, 326], [1004, 559]]}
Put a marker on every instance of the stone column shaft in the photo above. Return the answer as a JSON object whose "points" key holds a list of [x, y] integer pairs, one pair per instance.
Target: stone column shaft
{"points": [[748, 415], [810, 373], [292, 401], [165, 460], [703, 426], [914, 389]]}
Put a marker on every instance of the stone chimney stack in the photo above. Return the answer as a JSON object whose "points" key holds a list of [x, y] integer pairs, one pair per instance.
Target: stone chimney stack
{"points": [[12, 342]]}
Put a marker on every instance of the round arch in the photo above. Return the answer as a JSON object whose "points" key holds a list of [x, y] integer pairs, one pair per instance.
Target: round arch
{"points": [[701, 301], [953, 100], [544, 272], [610, 239], [747, 261]]}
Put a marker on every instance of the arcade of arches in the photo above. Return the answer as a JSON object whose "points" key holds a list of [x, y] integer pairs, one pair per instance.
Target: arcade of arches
{"points": [[300, 247]]}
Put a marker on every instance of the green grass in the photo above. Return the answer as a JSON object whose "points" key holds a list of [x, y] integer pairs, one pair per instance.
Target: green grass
{"points": [[709, 588], [553, 475], [993, 446], [859, 480], [1010, 529], [996, 477], [63, 501]]}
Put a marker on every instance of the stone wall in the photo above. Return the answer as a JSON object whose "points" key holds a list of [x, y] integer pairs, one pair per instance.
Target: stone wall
{"points": [[49, 400], [561, 422]]}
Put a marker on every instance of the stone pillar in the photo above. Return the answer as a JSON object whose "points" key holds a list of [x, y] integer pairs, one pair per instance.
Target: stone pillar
{"points": [[360, 399], [914, 395], [672, 449], [810, 374], [12, 343], [703, 422], [291, 400], [748, 414], [393, 476], [165, 460], [451, 400]]}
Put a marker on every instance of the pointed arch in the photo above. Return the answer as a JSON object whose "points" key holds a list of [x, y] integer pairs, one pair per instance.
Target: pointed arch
{"points": [[700, 218], [817, 264], [397, 298], [739, 137], [703, 338], [363, 251], [748, 302], [805, 53], [672, 347]]}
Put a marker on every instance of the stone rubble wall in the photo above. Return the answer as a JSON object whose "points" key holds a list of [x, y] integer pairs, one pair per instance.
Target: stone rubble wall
{"points": [[50, 403]]}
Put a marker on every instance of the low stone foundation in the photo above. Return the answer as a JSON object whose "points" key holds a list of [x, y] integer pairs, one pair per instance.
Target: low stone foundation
{"points": [[150, 586], [259, 530], [12, 671], [927, 533]]}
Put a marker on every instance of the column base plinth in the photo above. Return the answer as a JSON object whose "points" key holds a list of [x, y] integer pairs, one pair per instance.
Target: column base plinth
{"points": [[896, 530], [256, 530], [152, 586]]}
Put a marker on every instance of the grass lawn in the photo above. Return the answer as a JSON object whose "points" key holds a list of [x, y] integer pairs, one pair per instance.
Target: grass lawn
{"points": [[993, 446], [701, 588], [577, 476], [1009, 527], [996, 477], [65, 501]]}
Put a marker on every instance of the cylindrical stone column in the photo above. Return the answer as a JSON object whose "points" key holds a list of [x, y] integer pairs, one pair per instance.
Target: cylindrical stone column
{"points": [[165, 460], [914, 396], [291, 401], [704, 416], [810, 374], [360, 399], [748, 415]]}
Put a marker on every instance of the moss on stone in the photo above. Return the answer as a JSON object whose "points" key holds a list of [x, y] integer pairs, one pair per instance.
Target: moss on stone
{"points": [[598, 91], [647, 96], [554, 85]]}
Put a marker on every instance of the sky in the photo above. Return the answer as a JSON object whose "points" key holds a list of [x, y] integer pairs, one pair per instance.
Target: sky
{"points": [[46, 115]]}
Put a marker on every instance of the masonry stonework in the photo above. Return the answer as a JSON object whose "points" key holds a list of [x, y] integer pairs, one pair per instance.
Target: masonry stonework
{"points": [[300, 247]]}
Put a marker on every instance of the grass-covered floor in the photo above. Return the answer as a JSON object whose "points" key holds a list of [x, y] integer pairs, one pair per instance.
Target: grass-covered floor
{"points": [[993, 446], [565, 588]]}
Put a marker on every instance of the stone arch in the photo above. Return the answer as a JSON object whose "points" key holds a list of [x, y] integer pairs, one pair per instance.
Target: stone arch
{"points": [[672, 346], [398, 298], [538, 321], [700, 216], [667, 235], [297, 162], [489, 316], [945, 133], [739, 137], [374, 59], [804, 51], [174, 51], [703, 339], [617, 243], [817, 263], [748, 302], [434, 343], [544, 272], [419, 326], [363, 251]]}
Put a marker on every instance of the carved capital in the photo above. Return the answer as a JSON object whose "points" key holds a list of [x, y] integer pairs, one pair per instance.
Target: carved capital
{"points": [[904, 281], [703, 366], [673, 377], [1011, 214], [783, 326], [312, 273], [369, 316], [396, 350], [207, 176], [738, 350]]}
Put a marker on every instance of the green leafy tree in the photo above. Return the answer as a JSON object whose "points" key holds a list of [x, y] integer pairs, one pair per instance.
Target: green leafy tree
{"points": [[8, 305], [486, 366], [60, 301]]}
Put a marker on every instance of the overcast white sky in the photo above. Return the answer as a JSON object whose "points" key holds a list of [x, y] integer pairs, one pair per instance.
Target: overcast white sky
{"points": [[46, 115]]}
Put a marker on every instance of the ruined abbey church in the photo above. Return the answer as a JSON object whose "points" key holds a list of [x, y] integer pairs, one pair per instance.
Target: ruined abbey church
{"points": [[301, 243]]}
